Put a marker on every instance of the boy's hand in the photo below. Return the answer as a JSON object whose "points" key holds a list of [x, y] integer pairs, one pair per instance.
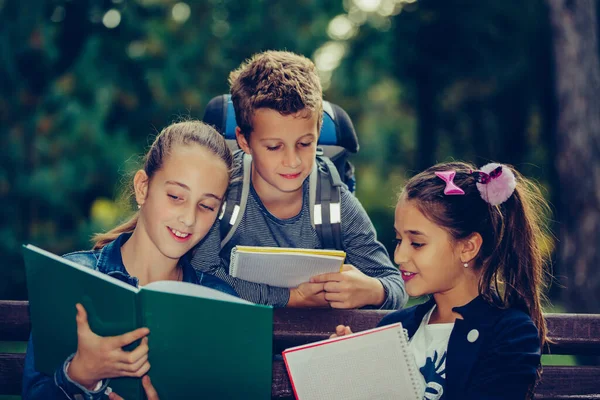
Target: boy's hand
{"points": [[150, 391], [99, 357], [308, 295], [351, 288], [341, 330]]}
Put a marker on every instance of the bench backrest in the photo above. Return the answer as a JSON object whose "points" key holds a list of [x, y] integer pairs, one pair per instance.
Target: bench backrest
{"points": [[575, 334]]}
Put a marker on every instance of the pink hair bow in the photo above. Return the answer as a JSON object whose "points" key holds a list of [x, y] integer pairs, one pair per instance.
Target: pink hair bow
{"points": [[448, 177]]}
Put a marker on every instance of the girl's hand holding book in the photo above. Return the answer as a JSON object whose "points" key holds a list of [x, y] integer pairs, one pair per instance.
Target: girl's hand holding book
{"points": [[99, 357], [151, 393], [341, 330]]}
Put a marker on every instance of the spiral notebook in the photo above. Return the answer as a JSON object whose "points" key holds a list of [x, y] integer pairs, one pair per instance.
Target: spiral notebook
{"points": [[283, 267], [373, 364]]}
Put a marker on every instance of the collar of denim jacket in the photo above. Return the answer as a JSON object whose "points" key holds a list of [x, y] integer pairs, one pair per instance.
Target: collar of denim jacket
{"points": [[110, 261]]}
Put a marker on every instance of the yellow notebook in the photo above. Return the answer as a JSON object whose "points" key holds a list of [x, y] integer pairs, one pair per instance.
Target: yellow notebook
{"points": [[283, 267]]}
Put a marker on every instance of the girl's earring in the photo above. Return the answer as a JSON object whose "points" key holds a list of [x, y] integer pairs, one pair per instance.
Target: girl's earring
{"points": [[466, 265], [139, 206]]}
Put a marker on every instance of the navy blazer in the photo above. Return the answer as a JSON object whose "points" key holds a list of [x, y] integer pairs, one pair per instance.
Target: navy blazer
{"points": [[493, 353]]}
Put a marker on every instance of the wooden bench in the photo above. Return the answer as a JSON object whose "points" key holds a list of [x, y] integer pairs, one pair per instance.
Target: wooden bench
{"points": [[576, 334]]}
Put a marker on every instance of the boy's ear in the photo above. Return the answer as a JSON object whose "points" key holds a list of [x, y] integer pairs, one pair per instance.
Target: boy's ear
{"points": [[241, 141], [470, 247], [140, 186]]}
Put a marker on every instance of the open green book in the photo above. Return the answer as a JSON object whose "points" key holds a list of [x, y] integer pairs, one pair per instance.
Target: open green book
{"points": [[203, 343]]}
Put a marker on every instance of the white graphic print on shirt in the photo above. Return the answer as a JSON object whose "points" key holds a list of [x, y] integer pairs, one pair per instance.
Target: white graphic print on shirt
{"points": [[429, 345]]}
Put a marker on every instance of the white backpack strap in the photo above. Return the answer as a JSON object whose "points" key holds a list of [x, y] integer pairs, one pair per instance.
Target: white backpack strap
{"points": [[236, 211], [327, 206], [315, 212]]}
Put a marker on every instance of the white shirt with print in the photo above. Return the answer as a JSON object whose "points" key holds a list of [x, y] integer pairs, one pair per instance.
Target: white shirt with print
{"points": [[429, 345]]}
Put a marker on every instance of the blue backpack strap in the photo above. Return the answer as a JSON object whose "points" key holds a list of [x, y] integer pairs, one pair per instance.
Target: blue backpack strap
{"points": [[234, 206], [325, 198]]}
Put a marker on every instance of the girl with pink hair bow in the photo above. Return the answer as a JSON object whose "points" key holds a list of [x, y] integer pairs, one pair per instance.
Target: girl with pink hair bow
{"points": [[472, 240]]}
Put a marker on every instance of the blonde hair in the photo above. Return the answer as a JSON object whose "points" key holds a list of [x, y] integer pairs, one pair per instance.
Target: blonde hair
{"points": [[180, 133]]}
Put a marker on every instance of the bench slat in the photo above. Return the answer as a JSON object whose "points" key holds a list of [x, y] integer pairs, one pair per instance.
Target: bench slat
{"points": [[572, 333], [557, 382], [11, 373], [561, 382], [295, 327], [14, 321]]}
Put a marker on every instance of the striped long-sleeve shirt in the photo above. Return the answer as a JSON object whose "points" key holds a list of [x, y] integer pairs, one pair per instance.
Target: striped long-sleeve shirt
{"points": [[259, 227]]}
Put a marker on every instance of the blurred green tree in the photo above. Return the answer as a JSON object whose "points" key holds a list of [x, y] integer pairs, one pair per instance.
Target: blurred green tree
{"points": [[447, 80], [88, 81], [575, 25]]}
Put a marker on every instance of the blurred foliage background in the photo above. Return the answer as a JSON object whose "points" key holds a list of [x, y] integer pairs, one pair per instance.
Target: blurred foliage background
{"points": [[86, 83]]}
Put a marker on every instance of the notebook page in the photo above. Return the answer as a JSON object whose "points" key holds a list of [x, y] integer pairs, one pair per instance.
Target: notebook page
{"points": [[281, 269], [368, 365]]}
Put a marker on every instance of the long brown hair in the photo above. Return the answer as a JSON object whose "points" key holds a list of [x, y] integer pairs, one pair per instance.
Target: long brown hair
{"points": [[512, 258], [180, 133]]}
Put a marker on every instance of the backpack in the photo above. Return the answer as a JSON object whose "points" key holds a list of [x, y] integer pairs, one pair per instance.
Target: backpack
{"points": [[331, 170]]}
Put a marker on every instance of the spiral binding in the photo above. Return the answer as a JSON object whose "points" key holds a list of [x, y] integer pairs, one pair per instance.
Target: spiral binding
{"points": [[233, 264], [411, 365]]}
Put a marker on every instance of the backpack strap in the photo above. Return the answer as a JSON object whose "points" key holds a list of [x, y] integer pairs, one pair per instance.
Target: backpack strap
{"points": [[235, 205], [325, 203]]}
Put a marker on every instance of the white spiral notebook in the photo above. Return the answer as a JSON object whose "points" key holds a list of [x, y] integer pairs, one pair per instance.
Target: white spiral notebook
{"points": [[373, 364], [283, 267]]}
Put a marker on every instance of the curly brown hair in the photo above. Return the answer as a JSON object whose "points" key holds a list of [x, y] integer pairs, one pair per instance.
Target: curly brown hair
{"points": [[280, 80]]}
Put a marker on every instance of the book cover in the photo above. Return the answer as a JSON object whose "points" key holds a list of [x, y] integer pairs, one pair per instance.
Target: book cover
{"points": [[200, 339]]}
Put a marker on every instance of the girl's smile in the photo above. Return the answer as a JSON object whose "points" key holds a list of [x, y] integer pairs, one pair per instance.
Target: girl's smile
{"points": [[178, 235], [407, 276]]}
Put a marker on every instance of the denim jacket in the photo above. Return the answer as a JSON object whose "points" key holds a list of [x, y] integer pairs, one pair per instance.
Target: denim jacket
{"points": [[37, 385]]}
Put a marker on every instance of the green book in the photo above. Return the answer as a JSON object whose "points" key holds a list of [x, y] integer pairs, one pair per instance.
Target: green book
{"points": [[203, 343]]}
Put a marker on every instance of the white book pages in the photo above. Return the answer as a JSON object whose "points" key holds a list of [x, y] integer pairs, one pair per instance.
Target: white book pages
{"points": [[373, 364], [280, 268], [193, 290]]}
